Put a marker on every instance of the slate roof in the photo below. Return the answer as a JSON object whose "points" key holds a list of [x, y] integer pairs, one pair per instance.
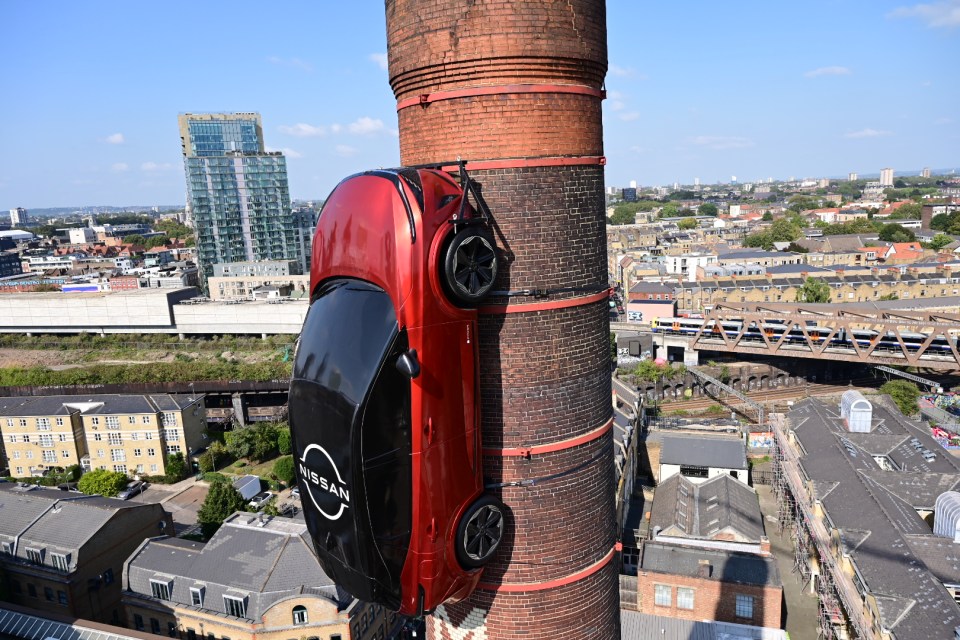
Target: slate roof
{"points": [[726, 566], [720, 508], [872, 511], [704, 451], [262, 564], [94, 404]]}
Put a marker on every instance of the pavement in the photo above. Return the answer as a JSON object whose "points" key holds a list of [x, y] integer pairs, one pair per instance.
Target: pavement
{"points": [[800, 607]]}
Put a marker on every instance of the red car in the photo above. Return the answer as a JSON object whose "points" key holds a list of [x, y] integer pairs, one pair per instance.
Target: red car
{"points": [[384, 406]]}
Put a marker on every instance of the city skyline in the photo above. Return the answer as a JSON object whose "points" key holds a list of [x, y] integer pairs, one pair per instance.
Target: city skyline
{"points": [[708, 93]]}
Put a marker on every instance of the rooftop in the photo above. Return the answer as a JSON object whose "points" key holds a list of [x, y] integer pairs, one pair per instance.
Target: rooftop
{"points": [[704, 451], [725, 566], [721, 508]]}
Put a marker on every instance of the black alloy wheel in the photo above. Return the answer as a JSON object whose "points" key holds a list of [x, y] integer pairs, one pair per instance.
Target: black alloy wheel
{"points": [[470, 266], [479, 532]]}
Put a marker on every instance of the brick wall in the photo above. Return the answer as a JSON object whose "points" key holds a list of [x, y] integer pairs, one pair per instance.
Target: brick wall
{"points": [[544, 375]]}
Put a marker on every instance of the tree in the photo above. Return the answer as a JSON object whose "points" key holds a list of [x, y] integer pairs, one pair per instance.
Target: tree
{"points": [[284, 445], [941, 222], [283, 469], [156, 241], [707, 209], [907, 212], [939, 241], [813, 290], [102, 482], [613, 348], [687, 223], [222, 500], [904, 394], [767, 217], [136, 238], [176, 467], [622, 216], [894, 232], [669, 210]]}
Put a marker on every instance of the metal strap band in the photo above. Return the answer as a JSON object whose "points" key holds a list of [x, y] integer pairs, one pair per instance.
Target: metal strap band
{"points": [[425, 99], [518, 587], [560, 445], [524, 163], [496, 309]]}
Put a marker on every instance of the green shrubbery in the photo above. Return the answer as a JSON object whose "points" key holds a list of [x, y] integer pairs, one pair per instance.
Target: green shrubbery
{"points": [[155, 372]]}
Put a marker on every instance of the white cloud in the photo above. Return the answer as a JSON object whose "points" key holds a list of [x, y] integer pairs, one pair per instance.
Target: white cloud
{"points": [[379, 58], [935, 15], [156, 166], [115, 138], [345, 151], [828, 71], [722, 143], [866, 133], [287, 151], [629, 116], [303, 130], [119, 166], [365, 126], [295, 63]]}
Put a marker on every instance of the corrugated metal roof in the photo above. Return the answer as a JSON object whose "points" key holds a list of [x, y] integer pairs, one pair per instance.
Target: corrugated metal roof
{"points": [[30, 627]]}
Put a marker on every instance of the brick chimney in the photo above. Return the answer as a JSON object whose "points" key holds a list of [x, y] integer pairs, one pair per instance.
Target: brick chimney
{"points": [[515, 89], [764, 546]]}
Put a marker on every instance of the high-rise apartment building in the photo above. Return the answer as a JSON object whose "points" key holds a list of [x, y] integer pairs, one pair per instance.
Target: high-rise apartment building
{"points": [[237, 193], [19, 217], [852, 176], [925, 173], [886, 177]]}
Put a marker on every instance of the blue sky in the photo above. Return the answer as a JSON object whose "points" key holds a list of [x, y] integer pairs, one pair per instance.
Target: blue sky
{"points": [[696, 89]]}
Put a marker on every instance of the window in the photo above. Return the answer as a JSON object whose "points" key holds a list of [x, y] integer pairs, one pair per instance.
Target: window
{"points": [[684, 598], [115, 438], [191, 634], [25, 438], [6, 548], [131, 419], [59, 561], [145, 419], [173, 448], [118, 455], [171, 434], [172, 629], [95, 420], [62, 598], [151, 452], [155, 626], [138, 622], [48, 594], [662, 595], [19, 471], [148, 435], [120, 468], [113, 422], [43, 424], [196, 596], [108, 576], [62, 437], [64, 453], [139, 468], [16, 455], [11, 439], [137, 453], [30, 454], [234, 606], [23, 422], [50, 456], [9, 422], [31, 590], [35, 556], [300, 615], [160, 589], [169, 419], [100, 453], [135, 436], [153, 468], [46, 440], [744, 606], [98, 437]]}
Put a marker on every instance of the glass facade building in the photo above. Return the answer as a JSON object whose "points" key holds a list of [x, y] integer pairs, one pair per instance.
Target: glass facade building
{"points": [[238, 193]]}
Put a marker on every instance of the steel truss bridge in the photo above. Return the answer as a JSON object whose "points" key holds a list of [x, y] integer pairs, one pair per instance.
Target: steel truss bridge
{"points": [[927, 339]]}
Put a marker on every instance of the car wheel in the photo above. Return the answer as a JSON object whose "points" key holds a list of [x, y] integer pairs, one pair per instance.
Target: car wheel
{"points": [[470, 266], [479, 532]]}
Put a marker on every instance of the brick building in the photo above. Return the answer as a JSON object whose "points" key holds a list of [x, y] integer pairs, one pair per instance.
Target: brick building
{"points": [[257, 578], [63, 552], [132, 434], [709, 584]]}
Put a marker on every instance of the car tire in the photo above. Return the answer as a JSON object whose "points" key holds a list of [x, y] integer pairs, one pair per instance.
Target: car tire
{"points": [[480, 532], [469, 266]]}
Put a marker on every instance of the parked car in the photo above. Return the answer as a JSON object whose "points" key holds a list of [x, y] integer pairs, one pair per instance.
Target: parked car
{"points": [[384, 402], [259, 500], [133, 488], [69, 486], [295, 493]]}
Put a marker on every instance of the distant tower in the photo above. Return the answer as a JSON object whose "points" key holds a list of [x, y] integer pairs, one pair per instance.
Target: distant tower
{"points": [[19, 217], [696, 182], [886, 177], [925, 173], [733, 179], [676, 186], [852, 176], [237, 192], [633, 184]]}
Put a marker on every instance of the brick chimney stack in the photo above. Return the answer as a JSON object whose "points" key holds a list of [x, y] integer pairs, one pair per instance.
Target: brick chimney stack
{"points": [[515, 89]]}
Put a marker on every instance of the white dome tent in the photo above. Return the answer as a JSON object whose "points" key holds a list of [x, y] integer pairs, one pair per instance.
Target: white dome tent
{"points": [[946, 518], [856, 411]]}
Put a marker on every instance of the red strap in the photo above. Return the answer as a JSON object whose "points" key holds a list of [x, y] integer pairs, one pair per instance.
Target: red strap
{"points": [[522, 163], [560, 445], [551, 584], [565, 303], [425, 99]]}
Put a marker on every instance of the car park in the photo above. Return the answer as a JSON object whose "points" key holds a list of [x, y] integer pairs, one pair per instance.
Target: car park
{"points": [[133, 488], [384, 401], [261, 499]]}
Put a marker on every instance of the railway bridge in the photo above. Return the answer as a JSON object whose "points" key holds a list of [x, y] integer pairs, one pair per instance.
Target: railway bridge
{"points": [[850, 333]]}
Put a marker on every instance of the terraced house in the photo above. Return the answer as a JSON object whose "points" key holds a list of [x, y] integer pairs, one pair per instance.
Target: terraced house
{"points": [[132, 434], [257, 578], [63, 552]]}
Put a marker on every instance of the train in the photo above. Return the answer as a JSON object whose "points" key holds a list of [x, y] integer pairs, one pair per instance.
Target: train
{"points": [[774, 329]]}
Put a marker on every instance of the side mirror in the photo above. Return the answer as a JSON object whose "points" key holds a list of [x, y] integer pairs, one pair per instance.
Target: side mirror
{"points": [[408, 364]]}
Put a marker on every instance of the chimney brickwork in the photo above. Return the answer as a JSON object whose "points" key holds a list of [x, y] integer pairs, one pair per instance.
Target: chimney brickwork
{"points": [[514, 88]]}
